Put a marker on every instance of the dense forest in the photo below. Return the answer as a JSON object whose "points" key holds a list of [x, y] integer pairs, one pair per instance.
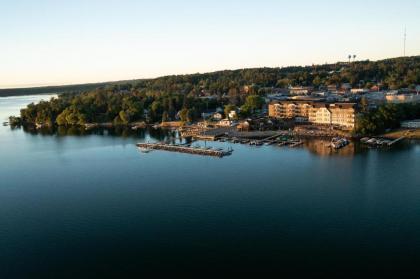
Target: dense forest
{"points": [[389, 74], [121, 107], [392, 73]]}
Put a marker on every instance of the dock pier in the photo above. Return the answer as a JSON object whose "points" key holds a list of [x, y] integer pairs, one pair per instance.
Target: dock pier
{"points": [[185, 149], [396, 141]]}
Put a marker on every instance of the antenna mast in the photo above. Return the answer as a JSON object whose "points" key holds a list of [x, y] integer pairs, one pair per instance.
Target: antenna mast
{"points": [[405, 38]]}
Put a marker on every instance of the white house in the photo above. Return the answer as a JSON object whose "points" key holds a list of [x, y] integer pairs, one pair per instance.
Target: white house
{"points": [[217, 116], [411, 124], [233, 114]]}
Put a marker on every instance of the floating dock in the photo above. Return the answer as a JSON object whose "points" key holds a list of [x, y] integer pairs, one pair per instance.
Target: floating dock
{"points": [[185, 149], [396, 141], [381, 141], [290, 143]]}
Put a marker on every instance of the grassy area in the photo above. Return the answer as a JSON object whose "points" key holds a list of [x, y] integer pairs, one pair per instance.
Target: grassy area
{"points": [[410, 133]]}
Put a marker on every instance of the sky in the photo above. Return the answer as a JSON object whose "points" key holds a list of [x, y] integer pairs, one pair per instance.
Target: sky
{"points": [[47, 42]]}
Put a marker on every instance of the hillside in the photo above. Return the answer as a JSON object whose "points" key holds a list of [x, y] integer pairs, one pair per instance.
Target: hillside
{"points": [[389, 74]]}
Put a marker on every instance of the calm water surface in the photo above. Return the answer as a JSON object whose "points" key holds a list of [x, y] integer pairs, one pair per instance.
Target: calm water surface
{"points": [[75, 206]]}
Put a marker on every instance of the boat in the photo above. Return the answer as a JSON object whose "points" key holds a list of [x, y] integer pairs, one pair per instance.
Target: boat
{"points": [[255, 142], [5, 123], [364, 140], [338, 143], [372, 141], [144, 150]]}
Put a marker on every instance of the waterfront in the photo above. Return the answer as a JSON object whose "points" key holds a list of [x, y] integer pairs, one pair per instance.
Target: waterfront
{"points": [[75, 204]]}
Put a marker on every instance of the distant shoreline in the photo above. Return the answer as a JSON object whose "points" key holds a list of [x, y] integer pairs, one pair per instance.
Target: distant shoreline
{"points": [[32, 95]]}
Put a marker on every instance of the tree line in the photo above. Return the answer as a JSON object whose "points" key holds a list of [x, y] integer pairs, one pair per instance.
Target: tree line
{"points": [[121, 106], [395, 73], [387, 116]]}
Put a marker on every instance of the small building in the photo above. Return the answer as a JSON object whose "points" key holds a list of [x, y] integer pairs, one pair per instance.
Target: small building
{"points": [[224, 123], [321, 94], [300, 90], [332, 88], [411, 124], [402, 98], [243, 126], [375, 88], [217, 116], [358, 91], [346, 86]]}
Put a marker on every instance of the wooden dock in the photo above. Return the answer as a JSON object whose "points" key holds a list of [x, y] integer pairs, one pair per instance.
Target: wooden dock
{"points": [[290, 143], [185, 149], [396, 141]]}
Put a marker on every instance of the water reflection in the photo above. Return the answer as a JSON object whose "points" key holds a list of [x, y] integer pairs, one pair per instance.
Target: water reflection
{"points": [[317, 146], [321, 147], [166, 135]]}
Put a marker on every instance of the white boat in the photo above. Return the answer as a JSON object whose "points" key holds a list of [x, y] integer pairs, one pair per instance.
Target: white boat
{"points": [[144, 150], [338, 143], [364, 140], [372, 141]]}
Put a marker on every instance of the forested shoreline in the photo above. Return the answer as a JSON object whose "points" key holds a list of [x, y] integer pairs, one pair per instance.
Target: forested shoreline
{"points": [[186, 97], [386, 117]]}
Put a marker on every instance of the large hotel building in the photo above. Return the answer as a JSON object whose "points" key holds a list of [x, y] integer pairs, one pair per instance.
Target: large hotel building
{"points": [[336, 114]]}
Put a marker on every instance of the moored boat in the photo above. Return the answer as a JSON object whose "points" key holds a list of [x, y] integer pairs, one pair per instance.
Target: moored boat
{"points": [[372, 141], [364, 140], [144, 150], [338, 143]]}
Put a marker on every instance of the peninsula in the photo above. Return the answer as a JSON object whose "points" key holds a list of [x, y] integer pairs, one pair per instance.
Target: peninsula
{"points": [[351, 98]]}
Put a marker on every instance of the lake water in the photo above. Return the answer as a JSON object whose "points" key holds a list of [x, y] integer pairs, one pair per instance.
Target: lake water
{"points": [[77, 206]]}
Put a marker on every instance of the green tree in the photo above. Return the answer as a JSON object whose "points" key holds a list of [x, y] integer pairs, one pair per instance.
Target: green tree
{"points": [[165, 116], [228, 108], [183, 114], [364, 104], [253, 102]]}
